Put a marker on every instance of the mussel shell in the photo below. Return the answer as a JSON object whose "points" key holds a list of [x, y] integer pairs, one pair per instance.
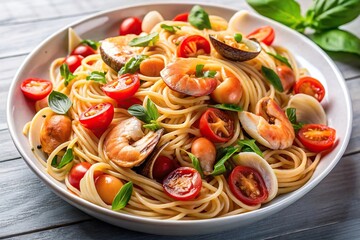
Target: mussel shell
{"points": [[146, 169], [236, 54]]}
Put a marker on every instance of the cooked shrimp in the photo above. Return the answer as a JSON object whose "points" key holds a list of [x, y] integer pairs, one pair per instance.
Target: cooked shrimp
{"points": [[229, 90], [269, 126], [55, 131], [127, 145]]}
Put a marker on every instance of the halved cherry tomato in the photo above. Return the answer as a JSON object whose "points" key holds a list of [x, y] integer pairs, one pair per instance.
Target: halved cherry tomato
{"points": [[126, 103], [216, 125], [286, 76], [78, 171], [107, 187], [310, 86], [317, 137], [247, 185], [182, 17], [184, 183], [73, 61], [131, 25], [263, 34], [162, 167], [83, 50], [36, 88], [122, 88], [98, 118], [193, 46]]}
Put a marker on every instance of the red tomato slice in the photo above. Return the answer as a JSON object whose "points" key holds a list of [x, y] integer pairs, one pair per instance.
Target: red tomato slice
{"points": [[162, 167], [184, 183], [73, 61], [216, 125], [83, 50], [264, 34], [193, 46], [131, 25], [36, 88], [126, 103], [98, 118], [78, 171], [317, 137], [310, 86], [247, 185], [122, 88], [182, 17]]}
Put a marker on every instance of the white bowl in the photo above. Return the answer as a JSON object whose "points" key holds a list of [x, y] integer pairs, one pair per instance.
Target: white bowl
{"points": [[337, 105]]}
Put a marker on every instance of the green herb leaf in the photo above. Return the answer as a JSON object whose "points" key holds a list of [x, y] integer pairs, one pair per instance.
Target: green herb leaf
{"points": [[153, 125], [66, 74], [228, 107], [195, 162], [328, 14], [54, 161], [122, 197], [223, 155], [133, 64], [59, 102], [152, 110], [149, 115], [273, 78], [280, 58], [91, 43], [291, 114], [199, 18], [67, 158], [139, 112], [97, 76], [210, 74], [145, 41], [169, 28], [199, 72], [337, 40], [249, 145], [238, 37]]}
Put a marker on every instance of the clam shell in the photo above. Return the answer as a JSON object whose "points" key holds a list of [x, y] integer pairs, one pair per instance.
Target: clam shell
{"points": [[73, 40]]}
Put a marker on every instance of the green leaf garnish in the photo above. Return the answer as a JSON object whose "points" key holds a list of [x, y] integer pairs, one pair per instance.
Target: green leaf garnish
{"points": [[273, 78], [207, 74], [170, 28], [249, 145], [66, 74], [238, 37], [145, 41], [122, 197], [210, 74], [199, 18], [280, 58], [291, 114], [67, 158], [91, 43], [59, 102], [196, 163], [54, 161], [133, 64], [148, 115], [222, 156], [228, 107], [97, 76]]}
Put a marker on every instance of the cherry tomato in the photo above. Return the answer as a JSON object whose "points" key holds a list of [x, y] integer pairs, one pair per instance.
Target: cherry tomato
{"points": [[97, 118], [36, 88], [264, 34], [126, 103], [247, 185], [205, 151], [78, 171], [317, 137], [83, 50], [73, 61], [107, 187], [184, 183], [131, 25], [310, 86], [182, 17], [286, 76], [122, 88], [216, 125], [193, 46], [162, 167]]}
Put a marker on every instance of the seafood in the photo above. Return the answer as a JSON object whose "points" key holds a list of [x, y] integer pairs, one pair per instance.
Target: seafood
{"points": [[127, 145], [150, 20], [269, 126]]}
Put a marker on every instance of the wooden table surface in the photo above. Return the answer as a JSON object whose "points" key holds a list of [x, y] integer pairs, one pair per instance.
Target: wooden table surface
{"points": [[30, 210]]}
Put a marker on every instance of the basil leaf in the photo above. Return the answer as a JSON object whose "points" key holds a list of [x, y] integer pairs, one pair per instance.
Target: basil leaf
{"points": [[196, 163], [337, 40], [280, 58], [291, 114], [91, 43], [228, 107], [238, 37], [133, 64], [169, 28], [210, 74], [66, 74], [59, 102], [67, 158], [223, 155], [97, 76], [287, 12], [122, 197], [199, 18], [148, 115], [273, 78], [144, 41], [54, 161], [249, 145], [139, 112], [152, 110], [199, 72], [153, 125], [327, 14]]}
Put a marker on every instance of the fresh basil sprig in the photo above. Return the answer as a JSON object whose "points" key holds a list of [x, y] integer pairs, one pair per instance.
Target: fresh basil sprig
{"points": [[66, 159], [207, 74], [122, 197], [133, 64], [199, 18], [222, 155], [249, 145], [145, 41], [273, 78], [66, 74], [228, 107], [148, 115], [97, 76], [280, 58], [91, 43], [54, 162], [170, 28], [291, 114], [59, 102], [196, 163]]}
